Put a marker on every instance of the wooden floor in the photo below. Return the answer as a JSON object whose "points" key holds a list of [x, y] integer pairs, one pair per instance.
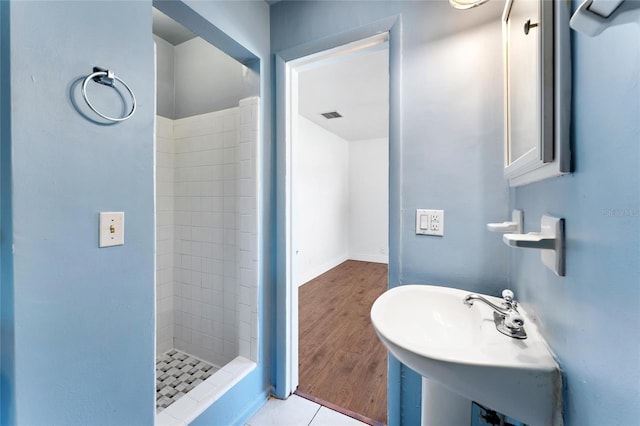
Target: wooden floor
{"points": [[340, 357]]}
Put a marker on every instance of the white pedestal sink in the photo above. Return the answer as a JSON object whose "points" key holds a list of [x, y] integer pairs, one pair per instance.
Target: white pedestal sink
{"points": [[433, 332]]}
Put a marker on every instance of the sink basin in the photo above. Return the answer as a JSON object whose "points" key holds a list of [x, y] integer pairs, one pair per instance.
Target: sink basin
{"points": [[433, 332]]}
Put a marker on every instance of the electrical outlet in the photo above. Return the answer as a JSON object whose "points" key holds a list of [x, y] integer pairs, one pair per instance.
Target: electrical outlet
{"points": [[434, 222], [430, 222]]}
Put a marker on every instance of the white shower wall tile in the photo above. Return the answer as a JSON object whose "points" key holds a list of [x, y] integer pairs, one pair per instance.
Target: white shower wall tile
{"points": [[164, 233], [206, 172], [247, 246], [207, 234]]}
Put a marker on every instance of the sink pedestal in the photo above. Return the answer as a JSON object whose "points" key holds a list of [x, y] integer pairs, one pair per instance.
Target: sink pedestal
{"points": [[440, 406]]}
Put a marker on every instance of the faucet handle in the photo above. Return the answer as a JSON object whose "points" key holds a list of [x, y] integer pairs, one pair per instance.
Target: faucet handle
{"points": [[507, 295]]}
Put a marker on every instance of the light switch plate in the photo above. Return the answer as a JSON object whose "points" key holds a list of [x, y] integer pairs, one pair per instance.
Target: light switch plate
{"points": [[430, 222], [111, 229]]}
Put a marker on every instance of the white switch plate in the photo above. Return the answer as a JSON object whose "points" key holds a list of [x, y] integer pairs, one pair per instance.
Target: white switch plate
{"points": [[111, 229], [430, 222]]}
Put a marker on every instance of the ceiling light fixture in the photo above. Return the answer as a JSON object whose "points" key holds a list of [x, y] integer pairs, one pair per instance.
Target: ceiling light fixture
{"points": [[466, 4]]}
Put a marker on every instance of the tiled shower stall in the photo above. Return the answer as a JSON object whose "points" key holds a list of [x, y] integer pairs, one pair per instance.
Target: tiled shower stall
{"points": [[206, 213]]}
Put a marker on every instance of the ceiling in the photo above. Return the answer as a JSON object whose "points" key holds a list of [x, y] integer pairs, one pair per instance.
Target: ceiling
{"points": [[169, 30], [357, 86]]}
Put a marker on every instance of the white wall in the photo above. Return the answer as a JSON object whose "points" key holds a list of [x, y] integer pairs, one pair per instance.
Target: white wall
{"points": [[369, 200], [340, 198], [206, 79], [195, 78], [164, 78], [320, 199]]}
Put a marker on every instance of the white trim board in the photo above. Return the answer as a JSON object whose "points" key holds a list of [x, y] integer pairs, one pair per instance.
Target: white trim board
{"points": [[364, 257]]}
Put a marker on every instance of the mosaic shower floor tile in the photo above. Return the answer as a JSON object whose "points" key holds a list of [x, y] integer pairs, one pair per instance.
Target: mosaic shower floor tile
{"points": [[176, 374]]}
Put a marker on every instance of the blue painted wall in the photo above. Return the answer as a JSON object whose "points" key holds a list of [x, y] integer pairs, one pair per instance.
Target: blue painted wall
{"points": [[450, 143], [81, 319], [78, 321], [72, 306], [6, 292], [591, 317]]}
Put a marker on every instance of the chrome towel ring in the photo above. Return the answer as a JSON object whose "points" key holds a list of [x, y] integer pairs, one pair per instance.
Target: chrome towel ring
{"points": [[108, 78]]}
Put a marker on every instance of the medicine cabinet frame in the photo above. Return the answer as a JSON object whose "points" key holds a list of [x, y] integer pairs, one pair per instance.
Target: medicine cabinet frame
{"points": [[546, 118]]}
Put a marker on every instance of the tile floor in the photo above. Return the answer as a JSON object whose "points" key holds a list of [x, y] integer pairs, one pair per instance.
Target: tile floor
{"points": [[176, 374], [297, 411]]}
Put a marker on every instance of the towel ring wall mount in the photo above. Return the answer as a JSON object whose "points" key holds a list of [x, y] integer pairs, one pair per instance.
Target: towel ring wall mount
{"points": [[108, 78]]}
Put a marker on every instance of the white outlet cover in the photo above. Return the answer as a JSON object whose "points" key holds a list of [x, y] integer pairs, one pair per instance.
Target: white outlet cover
{"points": [[111, 229], [430, 222]]}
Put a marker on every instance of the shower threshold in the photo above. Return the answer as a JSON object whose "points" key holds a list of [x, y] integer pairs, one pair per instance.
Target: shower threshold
{"points": [[186, 385]]}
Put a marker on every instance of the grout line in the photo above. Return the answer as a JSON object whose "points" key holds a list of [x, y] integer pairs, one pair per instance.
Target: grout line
{"points": [[338, 409], [314, 416], [177, 379]]}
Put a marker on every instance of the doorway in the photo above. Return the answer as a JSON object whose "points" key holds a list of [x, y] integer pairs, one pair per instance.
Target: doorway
{"points": [[337, 223]]}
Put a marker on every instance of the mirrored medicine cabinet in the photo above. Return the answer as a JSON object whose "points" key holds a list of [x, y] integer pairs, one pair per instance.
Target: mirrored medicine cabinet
{"points": [[537, 87]]}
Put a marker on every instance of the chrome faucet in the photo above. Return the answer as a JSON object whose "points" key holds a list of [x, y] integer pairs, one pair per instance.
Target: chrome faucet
{"points": [[506, 317]]}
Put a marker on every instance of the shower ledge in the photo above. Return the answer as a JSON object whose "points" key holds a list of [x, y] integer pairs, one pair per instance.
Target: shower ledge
{"points": [[189, 407]]}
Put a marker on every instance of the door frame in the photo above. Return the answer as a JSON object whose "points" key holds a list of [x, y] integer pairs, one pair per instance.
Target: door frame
{"points": [[286, 303]]}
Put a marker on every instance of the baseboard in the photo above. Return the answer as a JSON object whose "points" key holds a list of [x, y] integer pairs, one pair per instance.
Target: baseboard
{"points": [[364, 257], [252, 408]]}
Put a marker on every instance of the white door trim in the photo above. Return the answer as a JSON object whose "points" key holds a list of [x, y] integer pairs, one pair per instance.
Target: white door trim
{"points": [[290, 316]]}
